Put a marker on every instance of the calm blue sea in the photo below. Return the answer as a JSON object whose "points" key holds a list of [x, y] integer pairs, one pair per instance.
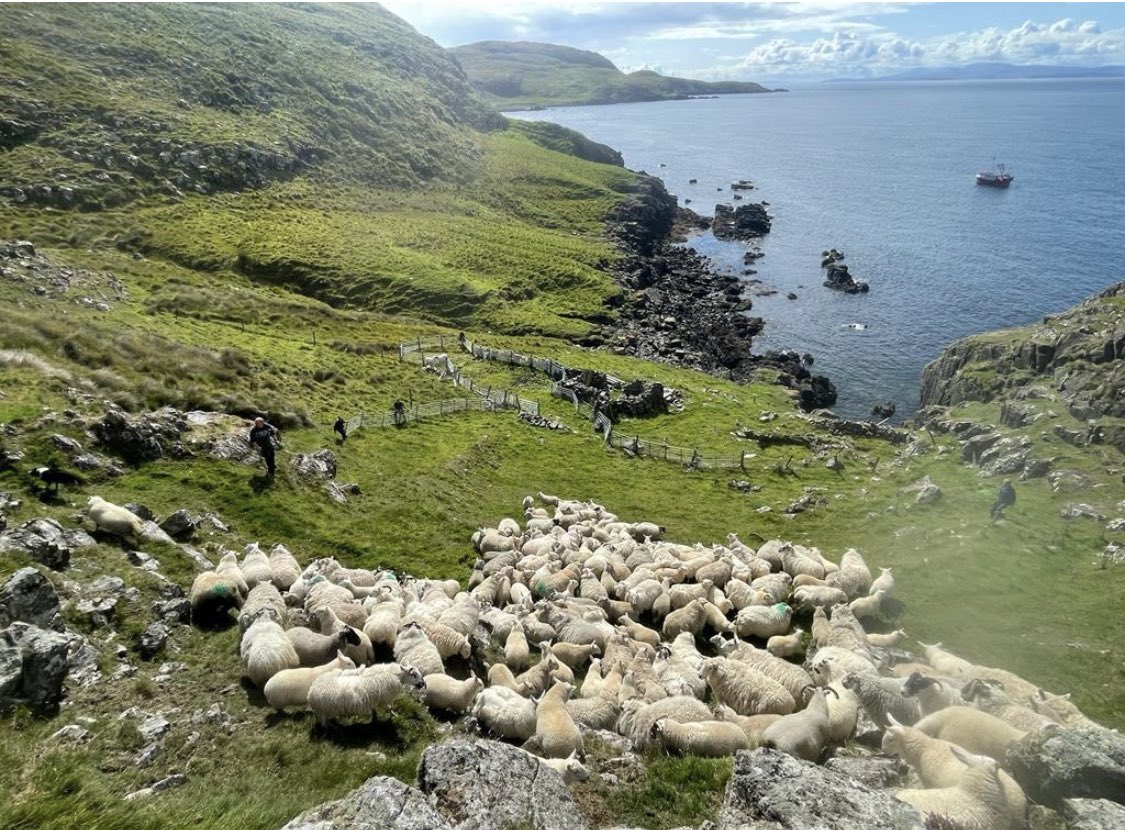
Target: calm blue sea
{"points": [[884, 172]]}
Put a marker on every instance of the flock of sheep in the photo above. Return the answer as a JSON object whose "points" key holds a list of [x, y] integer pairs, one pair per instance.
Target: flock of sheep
{"points": [[574, 620]]}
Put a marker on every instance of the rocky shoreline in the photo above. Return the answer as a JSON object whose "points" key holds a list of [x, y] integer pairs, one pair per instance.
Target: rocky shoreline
{"points": [[677, 310]]}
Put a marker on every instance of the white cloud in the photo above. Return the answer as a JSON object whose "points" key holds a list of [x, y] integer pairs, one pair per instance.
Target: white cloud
{"points": [[859, 53]]}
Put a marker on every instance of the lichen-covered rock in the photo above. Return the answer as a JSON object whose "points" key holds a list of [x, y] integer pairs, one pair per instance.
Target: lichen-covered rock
{"points": [[770, 790], [320, 464], [44, 664], [44, 540], [1057, 763], [143, 437], [486, 785], [180, 525], [29, 597], [382, 803], [1093, 814]]}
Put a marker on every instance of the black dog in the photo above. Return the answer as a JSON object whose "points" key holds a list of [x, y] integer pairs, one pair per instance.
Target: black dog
{"points": [[53, 476]]}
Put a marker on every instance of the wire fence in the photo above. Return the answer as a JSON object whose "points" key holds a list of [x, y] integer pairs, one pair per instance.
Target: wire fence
{"points": [[420, 412]]}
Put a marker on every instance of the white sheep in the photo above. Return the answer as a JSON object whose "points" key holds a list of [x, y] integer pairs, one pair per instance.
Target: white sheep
{"points": [[212, 598], [882, 698], [932, 693], [793, 678], [710, 739], [290, 687], [745, 689], [414, 648], [284, 567], [803, 734], [936, 765], [384, 618], [265, 650], [786, 645], [445, 693], [556, 733], [945, 662], [989, 696], [112, 518], [763, 621], [536, 679], [570, 768], [594, 712], [889, 640], [255, 566], [638, 717], [264, 598], [359, 692], [500, 675], [753, 726], [505, 712], [228, 568], [315, 649], [976, 802], [516, 652], [885, 582], [362, 651], [971, 729], [812, 596], [868, 606], [575, 655]]}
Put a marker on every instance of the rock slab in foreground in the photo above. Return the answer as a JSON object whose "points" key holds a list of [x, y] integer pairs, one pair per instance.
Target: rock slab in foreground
{"points": [[485, 785], [1093, 814], [770, 790], [382, 803], [1055, 763]]}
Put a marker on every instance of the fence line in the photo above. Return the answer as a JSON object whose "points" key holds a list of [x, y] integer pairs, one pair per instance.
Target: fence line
{"points": [[423, 411], [433, 355]]}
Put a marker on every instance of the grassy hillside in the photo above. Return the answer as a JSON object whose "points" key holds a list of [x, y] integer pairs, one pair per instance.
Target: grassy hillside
{"points": [[286, 289], [522, 75]]}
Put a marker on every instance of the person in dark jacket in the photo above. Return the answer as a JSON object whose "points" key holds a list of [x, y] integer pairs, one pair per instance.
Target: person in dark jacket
{"points": [[1005, 499], [265, 437], [341, 429]]}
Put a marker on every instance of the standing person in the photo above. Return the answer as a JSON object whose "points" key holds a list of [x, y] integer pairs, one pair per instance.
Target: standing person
{"points": [[1005, 499], [341, 429], [265, 436]]}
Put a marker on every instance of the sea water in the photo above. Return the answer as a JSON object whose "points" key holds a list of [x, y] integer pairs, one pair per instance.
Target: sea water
{"points": [[885, 173]]}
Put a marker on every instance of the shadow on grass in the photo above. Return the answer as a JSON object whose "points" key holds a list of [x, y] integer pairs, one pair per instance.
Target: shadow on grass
{"points": [[260, 482], [351, 735]]}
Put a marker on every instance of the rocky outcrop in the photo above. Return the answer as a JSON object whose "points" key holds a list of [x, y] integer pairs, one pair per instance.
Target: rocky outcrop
{"points": [[770, 790], [33, 666], [1056, 763], [143, 437], [28, 596], [45, 541], [382, 802], [643, 220], [485, 785], [746, 222], [1077, 357]]}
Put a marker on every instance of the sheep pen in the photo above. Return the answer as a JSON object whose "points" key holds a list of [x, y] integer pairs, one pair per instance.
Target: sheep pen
{"points": [[585, 630]]}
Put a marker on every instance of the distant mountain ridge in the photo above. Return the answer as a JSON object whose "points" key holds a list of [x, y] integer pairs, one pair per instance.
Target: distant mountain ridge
{"points": [[995, 71], [522, 75]]}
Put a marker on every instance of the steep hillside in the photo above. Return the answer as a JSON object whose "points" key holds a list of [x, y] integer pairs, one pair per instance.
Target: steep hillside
{"points": [[1071, 363], [519, 75], [330, 149]]}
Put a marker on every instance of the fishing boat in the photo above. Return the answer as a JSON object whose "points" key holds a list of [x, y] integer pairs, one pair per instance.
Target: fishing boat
{"points": [[998, 177]]}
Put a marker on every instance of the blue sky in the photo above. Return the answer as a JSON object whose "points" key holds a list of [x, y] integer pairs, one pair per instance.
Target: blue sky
{"points": [[792, 42]]}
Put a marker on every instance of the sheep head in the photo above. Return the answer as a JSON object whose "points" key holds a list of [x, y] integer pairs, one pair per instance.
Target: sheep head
{"points": [[916, 682]]}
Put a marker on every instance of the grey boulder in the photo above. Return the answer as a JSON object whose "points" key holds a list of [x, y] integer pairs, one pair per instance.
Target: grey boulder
{"points": [[43, 540], [1057, 763], [770, 790], [1093, 814], [43, 664], [382, 803], [29, 597], [486, 785]]}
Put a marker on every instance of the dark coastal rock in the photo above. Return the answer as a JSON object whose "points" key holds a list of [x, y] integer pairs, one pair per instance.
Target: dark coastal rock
{"points": [[486, 785], [28, 596], [770, 790], [749, 221], [382, 802], [836, 276], [1057, 763]]}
